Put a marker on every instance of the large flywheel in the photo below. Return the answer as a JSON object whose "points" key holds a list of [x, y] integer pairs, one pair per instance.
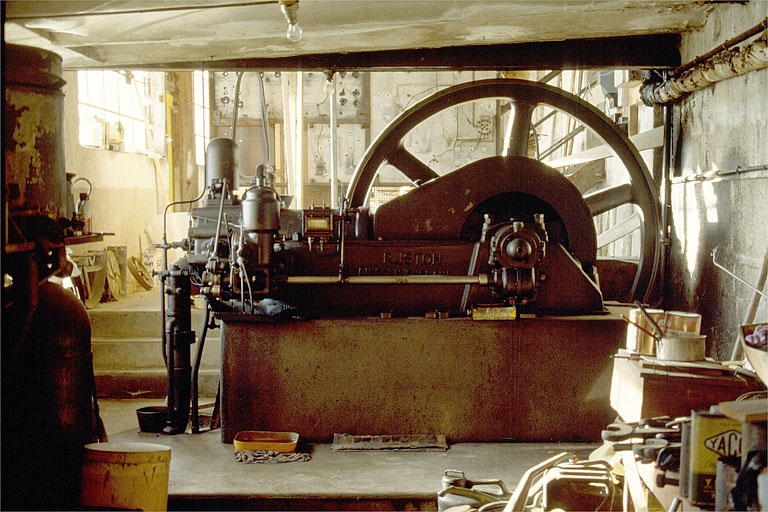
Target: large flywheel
{"points": [[525, 97]]}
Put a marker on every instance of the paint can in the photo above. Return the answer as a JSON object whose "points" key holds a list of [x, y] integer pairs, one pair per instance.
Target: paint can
{"points": [[129, 476], [640, 342], [681, 321]]}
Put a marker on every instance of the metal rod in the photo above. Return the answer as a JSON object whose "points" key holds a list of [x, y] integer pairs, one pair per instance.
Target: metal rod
{"points": [[218, 220], [196, 369], [738, 351], [718, 265], [414, 279], [763, 25], [720, 174]]}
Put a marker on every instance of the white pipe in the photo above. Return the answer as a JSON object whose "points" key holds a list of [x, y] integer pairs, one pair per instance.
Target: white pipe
{"points": [[332, 142], [724, 65], [293, 114]]}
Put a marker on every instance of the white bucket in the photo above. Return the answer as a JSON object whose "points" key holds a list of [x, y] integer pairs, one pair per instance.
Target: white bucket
{"points": [[682, 347], [126, 476]]}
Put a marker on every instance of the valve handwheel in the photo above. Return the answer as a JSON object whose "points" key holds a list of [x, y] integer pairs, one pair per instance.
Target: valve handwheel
{"points": [[140, 273]]}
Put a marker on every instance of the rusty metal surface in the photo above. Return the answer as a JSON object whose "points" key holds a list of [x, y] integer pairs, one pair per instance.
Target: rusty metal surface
{"points": [[545, 379], [33, 121]]}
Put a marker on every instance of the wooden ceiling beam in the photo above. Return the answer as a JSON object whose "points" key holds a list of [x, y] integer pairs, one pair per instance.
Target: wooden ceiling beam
{"points": [[657, 51]]}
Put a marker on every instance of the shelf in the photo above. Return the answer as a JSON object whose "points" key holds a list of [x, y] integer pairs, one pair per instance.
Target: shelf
{"points": [[84, 239], [746, 411]]}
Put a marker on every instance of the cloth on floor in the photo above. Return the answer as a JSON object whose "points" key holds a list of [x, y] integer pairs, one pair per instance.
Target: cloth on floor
{"points": [[270, 457], [407, 442], [759, 338]]}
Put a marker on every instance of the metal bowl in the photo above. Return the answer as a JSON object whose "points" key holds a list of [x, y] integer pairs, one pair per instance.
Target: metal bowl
{"points": [[152, 418]]}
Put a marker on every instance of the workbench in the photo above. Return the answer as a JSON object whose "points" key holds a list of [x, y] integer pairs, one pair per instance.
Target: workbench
{"points": [[645, 387]]}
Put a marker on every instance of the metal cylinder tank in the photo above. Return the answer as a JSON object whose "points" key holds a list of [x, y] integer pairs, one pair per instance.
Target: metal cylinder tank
{"points": [[47, 405], [47, 375], [33, 127], [222, 161], [261, 210]]}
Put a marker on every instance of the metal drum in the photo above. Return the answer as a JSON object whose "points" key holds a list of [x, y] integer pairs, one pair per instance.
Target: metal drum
{"points": [[33, 128], [47, 405]]}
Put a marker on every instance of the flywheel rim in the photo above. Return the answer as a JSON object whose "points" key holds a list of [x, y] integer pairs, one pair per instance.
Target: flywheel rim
{"points": [[526, 95]]}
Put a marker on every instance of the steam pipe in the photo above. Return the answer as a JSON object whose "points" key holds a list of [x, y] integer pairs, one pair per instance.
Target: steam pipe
{"points": [[666, 202], [693, 77]]}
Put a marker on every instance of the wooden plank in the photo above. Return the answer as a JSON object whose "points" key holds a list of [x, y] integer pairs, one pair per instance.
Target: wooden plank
{"points": [[746, 411], [619, 230], [650, 139], [637, 490]]}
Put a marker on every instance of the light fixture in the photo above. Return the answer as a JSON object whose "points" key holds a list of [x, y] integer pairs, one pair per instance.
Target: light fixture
{"points": [[290, 10], [328, 89]]}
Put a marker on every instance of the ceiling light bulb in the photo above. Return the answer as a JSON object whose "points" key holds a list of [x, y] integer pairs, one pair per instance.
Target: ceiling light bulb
{"points": [[294, 33], [290, 9]]}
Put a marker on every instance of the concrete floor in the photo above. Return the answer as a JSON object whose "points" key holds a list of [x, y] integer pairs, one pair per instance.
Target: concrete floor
{"points": [[205, 475]]}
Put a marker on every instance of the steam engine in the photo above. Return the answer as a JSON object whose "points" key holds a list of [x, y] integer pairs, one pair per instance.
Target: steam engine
{"points": [[491, 234]]}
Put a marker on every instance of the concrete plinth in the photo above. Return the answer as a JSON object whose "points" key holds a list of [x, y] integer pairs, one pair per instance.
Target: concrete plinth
{"points": [[544, 379]]}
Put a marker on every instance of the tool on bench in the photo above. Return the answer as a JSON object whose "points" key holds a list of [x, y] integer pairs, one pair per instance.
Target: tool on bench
{"points": [[646, 438], [653, 427]]}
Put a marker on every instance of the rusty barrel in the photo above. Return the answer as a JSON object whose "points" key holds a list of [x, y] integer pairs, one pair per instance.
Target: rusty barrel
{"points": [[33, 129]]}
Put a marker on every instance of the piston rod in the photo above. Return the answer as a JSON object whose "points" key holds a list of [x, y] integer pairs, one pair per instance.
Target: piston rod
{"points": [[413, 279]]}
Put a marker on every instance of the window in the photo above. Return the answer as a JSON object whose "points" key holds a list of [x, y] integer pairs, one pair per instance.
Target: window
{"points": [[202, 115], [118, 110]]}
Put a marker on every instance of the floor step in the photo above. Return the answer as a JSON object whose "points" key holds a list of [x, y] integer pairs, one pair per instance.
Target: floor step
{"points": [[133, 324], [127, 349], [145, 353], [148, 383]]}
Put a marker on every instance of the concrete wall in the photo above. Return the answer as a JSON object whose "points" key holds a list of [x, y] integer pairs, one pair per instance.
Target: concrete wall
{"points": [[718, 128], [128, 189]]}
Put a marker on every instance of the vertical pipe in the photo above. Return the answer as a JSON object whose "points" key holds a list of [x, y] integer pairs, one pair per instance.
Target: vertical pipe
{"points": [[298, 148], [332, 143], [180, 336], [666, 204], [169, 146], [292, 115], [196, 369]]}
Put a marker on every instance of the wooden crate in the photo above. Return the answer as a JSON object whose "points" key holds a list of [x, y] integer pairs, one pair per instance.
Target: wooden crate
{"points": [[647, 387]]}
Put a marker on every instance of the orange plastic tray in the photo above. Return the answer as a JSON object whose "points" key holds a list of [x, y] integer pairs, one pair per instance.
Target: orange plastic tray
{"points": [[255, 440]]}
